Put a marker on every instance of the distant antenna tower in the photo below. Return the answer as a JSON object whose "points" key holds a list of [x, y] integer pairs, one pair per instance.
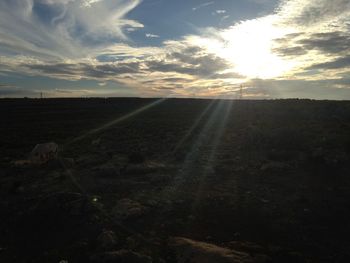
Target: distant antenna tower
{"points": [[41, 95], [240, 92]]}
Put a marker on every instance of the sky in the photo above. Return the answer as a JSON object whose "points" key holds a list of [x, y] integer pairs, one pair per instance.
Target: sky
{"points": [[183, 48]]}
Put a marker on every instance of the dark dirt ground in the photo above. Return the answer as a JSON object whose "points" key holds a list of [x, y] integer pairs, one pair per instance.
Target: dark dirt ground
{"points": [[267, 178]]}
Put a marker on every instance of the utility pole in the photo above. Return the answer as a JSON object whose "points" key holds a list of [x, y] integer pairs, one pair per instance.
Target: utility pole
{"points": [[41, 95], [240, 92]]}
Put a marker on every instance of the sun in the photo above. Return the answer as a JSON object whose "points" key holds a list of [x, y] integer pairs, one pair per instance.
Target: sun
{"points": [[248, 46]]}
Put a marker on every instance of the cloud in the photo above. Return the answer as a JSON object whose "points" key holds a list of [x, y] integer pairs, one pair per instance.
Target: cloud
{"points": [[177, 65], [191, 60], [224, 18], [340, 63], [148, 35], [6, 86], [220, 11], [89, 3], [320, 37], [290, 51], [70, 91], [179, 57], [328, 42], [336, 42], [8, 90], [203, 5], [312, 13], [83, 70], [278, 55], [64, 28]]}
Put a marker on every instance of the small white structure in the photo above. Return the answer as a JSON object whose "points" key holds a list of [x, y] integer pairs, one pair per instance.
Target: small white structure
{"points": [[43, 153]]}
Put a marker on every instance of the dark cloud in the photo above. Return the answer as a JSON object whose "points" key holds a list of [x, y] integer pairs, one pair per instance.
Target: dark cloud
{"points": [[300, 44], [176, 80], [64, 91], [166, 88], [86, 70], [343, 62], [53, 69], [168, 80], [4, 86], [288, 38], [229, 75], [331, 42], [192, 61], [290, 51], [207, 69], [107, 70], [186, 55], [313, 12], [71, 91], [163, 66], [197, 58], [8, 90]]}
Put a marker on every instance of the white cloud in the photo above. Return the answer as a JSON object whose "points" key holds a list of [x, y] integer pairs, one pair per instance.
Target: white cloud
{"points": [[88, 3], [75, 31], [148, 35], [220, 11], [203, 5], [321, 35], [225, 17]]}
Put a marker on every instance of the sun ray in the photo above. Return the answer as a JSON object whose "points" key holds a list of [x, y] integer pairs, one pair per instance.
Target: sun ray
{"points": [[116, 121], [208, 168], [193, 127]]}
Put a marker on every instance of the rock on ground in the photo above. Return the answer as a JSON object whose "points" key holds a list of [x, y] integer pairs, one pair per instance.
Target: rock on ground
{"points": [[106, 240], [128, 209], [121, 256], [192, 251]]}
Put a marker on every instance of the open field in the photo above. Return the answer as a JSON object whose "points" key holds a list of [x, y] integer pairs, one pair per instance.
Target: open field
{"points": [[269, 179]]}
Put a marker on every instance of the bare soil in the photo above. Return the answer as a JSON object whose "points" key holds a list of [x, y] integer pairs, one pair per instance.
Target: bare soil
{"points": [[266, 178]]}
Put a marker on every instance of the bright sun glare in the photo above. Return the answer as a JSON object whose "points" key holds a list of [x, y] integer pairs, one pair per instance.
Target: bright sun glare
{"points": [[248, 46]]}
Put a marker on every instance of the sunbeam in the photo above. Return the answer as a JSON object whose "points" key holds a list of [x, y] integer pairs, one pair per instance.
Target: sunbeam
{"points": [[209, 136], [208, 167], [116, 121], [193, 127]]}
